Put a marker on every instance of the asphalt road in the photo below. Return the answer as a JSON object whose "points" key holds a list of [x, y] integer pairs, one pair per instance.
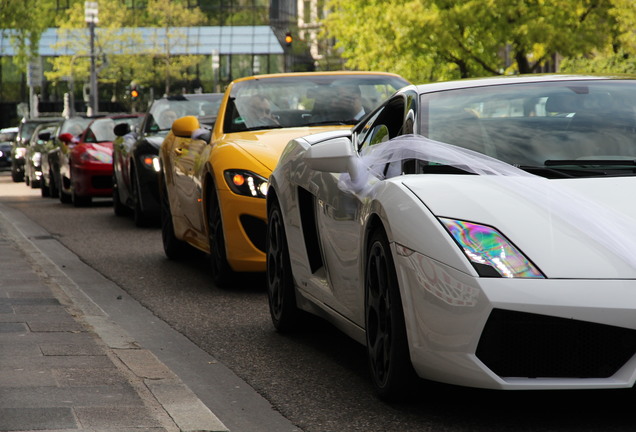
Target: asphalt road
{"points": [[317, 378]]}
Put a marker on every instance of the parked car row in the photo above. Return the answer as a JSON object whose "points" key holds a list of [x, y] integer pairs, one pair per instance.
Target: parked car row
{"points": [[475, 232]]}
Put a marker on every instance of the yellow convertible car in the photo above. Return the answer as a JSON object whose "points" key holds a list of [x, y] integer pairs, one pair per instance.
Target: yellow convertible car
{"points": [[213, 183]]}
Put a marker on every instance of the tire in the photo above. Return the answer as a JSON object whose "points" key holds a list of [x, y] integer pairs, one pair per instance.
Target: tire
{"points": [[140, 217], [221, 271], [119, 208], [387, 346], [172, 246], [280, 282], [54, 192], [44, 189], [81, 201], [65, 198]]}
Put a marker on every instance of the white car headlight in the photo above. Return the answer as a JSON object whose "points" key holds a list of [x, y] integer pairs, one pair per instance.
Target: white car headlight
{"points": [[492, 254]]}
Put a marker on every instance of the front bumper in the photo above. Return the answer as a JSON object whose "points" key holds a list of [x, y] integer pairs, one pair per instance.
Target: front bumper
{"points": [[95, 180], [245, 228], [503, 333]]}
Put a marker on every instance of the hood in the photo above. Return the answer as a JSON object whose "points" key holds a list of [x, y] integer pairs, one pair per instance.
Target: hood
{"points": [[156, 140], [266, 146], [580, 228]]}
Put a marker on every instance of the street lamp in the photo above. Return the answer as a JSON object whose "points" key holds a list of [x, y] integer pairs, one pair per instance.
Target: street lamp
{"points": [[90, 16]]}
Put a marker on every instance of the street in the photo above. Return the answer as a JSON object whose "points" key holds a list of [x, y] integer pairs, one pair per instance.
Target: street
{"points": [[317, 379]]}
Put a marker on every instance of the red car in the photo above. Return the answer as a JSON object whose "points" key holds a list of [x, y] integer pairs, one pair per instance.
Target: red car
{"points": [[90, 158]]}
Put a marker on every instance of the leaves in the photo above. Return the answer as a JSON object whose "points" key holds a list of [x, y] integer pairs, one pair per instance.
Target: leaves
{"points": [[428, 40]]}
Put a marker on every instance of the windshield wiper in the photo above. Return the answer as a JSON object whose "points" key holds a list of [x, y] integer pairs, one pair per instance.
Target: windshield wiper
{"points": [[588, 162], [255, 128], [565, 172], [331, 122]]}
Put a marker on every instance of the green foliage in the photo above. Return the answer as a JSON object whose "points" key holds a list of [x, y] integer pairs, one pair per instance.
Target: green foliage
{"points": [[431, 40], [150, 68], [29, 18]]}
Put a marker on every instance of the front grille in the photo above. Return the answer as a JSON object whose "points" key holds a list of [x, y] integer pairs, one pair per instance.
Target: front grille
{"points": [[518, 344], [102, 182], [256, 230]]}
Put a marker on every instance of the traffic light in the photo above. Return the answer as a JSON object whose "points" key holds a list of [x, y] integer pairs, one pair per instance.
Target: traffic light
{"points": [[134, 93], [288, 39]]}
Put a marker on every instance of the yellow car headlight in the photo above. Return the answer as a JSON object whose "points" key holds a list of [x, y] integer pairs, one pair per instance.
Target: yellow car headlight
{"points": [[246, 183]]}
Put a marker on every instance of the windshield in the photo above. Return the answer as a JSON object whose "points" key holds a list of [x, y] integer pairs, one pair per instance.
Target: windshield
{"points": [[165, 111], [306, 100], [75, 125], [102, 130], [576, 126]]}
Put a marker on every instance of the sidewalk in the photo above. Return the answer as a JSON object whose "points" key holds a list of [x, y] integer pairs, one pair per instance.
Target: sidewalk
{"points": [[65, 367]]}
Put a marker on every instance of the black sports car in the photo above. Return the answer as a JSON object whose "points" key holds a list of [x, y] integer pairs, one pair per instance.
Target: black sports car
{"points": [[136, 154]]}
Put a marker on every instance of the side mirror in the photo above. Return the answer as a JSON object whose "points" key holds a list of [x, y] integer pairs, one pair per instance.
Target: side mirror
{"points": [[335, 155], [44, 136], [66, 137], [184, 126], [121, 129]]}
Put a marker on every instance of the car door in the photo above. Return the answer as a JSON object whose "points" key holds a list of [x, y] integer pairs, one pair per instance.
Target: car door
{"points": [[341, 215], [186, 159]]}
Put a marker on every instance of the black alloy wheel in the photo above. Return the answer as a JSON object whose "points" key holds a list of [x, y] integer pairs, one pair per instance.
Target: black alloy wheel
{"points": [[221, 271], [172, 246], [280, 283], [387, 345]]}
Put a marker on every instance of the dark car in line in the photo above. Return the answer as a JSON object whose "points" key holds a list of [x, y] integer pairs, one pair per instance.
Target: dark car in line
{"points": [[136, 153], [7, 136], [18, 150]]}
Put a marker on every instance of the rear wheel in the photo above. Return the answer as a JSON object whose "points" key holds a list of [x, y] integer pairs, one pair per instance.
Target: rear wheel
{"points": [[387, 345], [280, 284], [221, 271]]}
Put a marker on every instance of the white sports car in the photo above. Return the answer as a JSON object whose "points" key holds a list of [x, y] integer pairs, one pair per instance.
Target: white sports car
{"points": [[477, 232]]}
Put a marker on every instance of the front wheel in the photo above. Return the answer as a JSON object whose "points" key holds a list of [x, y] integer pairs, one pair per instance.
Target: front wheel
{"points": [[221, 271], [118, 207], [387, 344], [172, 246], [280, 282], [139, 215], [54, 191]]}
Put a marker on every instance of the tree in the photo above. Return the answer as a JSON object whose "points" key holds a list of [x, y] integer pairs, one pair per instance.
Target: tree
{"points": [[443, 39], [619, 54], [118, 57], [170, 15], [27, 20]]}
